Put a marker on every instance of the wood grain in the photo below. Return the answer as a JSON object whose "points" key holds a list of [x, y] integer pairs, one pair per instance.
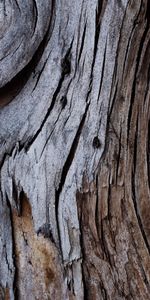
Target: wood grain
{"points": [[74, 142]]}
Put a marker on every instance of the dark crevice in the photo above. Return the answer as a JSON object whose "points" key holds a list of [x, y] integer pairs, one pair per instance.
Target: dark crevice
{"points": [[6, 257], [145, 279], [69, 284], [102, 74], [97, 216], [18, 7], [15, 282], [118, 156], [80, 27], [97, 32], [130, 37], [3, 159], [114, 83], [131, 103], [13, 88], [148, 13], [6, 155], [81, 210], [82, 43], [47, 139], [127, 50], [112, 103], [148, 154], [104, 243], [35, 15], [115, 131], [135, 78], [97, 19], [135, 146], [46, 231], [66, 65], [40, 73], [96, 143], [18, 197], [72, 152], [22, 198], [85, 285], [15, 194], [103, 291], [66, 61], [134, 191], [63, 102], [31, 141], [72, 280], [67, 166], [148, 82], [66, 69], [52, 21], [109, 199]]}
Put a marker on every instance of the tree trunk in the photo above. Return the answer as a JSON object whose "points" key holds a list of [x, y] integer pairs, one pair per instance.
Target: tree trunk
{"points": [[74, 149]]}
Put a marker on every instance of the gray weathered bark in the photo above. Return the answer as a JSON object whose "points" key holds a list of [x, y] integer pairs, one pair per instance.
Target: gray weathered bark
{"points": [[74, 149]]}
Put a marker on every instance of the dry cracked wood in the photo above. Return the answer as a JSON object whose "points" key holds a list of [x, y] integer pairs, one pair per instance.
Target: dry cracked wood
{"points": [[74, 149]]}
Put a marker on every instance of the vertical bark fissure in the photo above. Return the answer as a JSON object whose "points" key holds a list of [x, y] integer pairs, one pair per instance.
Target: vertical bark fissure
{"points": [[102, 74], [35, 14], [66, 168], [139, 53], [65, 71], [148, 153], [118, 156], [82, 43], [15, 281], [134, 188], [96, 207]]}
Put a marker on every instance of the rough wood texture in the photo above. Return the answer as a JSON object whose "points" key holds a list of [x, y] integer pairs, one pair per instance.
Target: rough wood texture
{"points": [[74, 149]]}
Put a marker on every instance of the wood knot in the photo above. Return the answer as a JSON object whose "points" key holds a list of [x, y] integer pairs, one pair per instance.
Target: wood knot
{"points": [[96, 142], [63, 101], [66, 66], [46, 231]]}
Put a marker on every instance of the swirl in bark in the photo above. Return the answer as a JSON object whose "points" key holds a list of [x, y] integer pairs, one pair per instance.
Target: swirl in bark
{"points": [[23, 25]]}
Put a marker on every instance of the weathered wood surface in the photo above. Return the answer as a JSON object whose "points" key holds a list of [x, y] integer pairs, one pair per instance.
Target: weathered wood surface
{"points": [[74, 149]]}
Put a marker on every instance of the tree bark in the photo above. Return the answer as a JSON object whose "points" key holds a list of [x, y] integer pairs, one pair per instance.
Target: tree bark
{"points": [[74, 149]]}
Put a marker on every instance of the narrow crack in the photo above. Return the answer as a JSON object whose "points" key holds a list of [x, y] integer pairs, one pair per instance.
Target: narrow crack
{"points": [[134, 192], [66, 69], [118, 156], [35, 15], [15, 288], [97, 207], [66, 168], [102, 73], [82, 43], [148, 154], [9, 91], [135, 78]]}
